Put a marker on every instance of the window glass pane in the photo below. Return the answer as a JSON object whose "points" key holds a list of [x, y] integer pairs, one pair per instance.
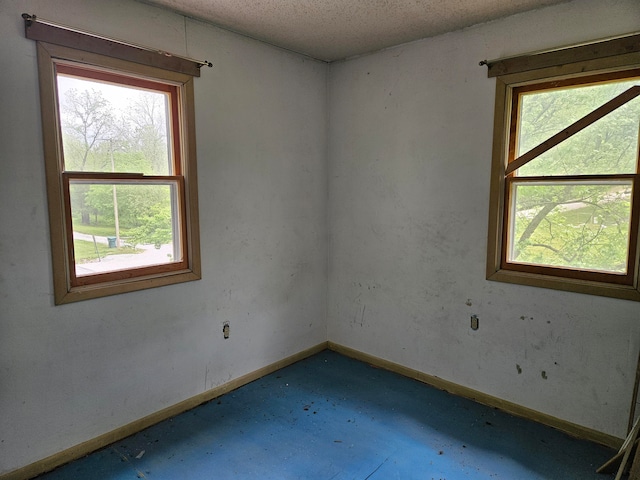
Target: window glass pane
{"points": [[608, 146], [579, 226], [123, 225], [113, 128]]}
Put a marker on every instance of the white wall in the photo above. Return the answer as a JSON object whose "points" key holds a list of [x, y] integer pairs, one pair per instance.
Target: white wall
{"points": [[410, 132], [408, 171], [70, 373]]}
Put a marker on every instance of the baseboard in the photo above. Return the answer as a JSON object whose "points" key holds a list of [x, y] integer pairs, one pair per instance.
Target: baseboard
{"points": [[491, 401], [118, 434], [85, 448]]}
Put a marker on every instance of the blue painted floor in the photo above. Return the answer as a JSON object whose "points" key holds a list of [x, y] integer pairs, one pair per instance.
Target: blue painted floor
{"points": [[330, 417]]}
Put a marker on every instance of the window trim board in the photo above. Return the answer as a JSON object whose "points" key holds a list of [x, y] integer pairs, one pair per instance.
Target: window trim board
{"points": [[64, 291], [497, 197], [596, 50]]}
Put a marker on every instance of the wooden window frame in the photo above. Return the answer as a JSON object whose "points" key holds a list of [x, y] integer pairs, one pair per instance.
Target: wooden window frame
{"points": [[613, 59], [68, 287]]}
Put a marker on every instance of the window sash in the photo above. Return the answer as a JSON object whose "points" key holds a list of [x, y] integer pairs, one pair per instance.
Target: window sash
{"points": [[179, 211], [515, 163], [97, 178], [627, 278], [102, 75], [571, 130]]}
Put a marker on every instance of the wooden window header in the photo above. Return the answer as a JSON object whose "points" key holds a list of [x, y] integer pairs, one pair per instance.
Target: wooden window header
{"points": [[595, 50], [41, 30]]}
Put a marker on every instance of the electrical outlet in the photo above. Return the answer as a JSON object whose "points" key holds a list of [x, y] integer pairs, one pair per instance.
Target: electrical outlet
{"points": [[474, 322], [225, 329]]}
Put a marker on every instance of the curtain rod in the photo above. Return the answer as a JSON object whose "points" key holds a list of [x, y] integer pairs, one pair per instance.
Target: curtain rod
{"points": [[30, 19]]}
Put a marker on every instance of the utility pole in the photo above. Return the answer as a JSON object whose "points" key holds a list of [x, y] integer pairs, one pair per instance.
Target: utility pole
{"points": [[115, 195]]}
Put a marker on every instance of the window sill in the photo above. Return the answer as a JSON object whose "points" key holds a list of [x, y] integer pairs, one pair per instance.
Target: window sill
{"points": [[625, 292], [86, 292]]}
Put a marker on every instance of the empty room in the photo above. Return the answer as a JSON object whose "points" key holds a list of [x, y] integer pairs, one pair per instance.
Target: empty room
{"points": [[319, 239]]}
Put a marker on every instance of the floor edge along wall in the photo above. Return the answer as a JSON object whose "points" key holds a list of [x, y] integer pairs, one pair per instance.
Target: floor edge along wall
{"points": [[85, 448], [483, 398], [101, 441]]}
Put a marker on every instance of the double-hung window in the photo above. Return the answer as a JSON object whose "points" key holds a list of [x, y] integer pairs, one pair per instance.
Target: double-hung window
{"points": [[119, 150], [565, 196]]}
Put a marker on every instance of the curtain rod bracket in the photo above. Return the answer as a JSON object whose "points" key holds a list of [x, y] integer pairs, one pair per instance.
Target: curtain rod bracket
{"points": [[28, 19]]}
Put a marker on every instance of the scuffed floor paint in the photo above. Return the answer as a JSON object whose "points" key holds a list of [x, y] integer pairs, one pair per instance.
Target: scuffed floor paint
{"points": [[332, 417]]}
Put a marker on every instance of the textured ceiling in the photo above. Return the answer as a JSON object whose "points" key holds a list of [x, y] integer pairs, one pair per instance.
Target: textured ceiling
{"points": [[335, 29]]}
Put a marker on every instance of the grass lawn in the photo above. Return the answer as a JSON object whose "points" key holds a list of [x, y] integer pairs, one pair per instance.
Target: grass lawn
{"points": [[86, 251]]}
